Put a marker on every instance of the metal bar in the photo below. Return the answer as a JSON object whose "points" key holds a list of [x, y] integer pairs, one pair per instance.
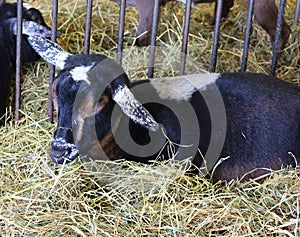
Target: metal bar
{"points": [[213, 62], [18, 59], [52, 67], [247, 36], [186, 29], [121, 31], [296, 20], [153, 39], [277, 36], [88, 21]]}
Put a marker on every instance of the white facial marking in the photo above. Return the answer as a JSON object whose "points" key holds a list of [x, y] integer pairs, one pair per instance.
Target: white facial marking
{"points": [[183, 87], [134, 109], [27, 6], [80, 73]]}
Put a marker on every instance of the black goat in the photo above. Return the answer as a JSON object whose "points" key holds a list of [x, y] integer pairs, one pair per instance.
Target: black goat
{"points": [[33, 24], [252, 119]]}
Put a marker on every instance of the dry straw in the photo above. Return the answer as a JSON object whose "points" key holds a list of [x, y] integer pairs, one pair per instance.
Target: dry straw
{"points": [[38, 198]]}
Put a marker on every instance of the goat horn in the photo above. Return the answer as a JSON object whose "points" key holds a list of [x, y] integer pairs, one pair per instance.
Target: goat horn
{"points": [[49, 50], [133, 108]]}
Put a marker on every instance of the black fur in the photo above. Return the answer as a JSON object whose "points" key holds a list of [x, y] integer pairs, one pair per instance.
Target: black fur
{"points": [[8, 16], [263, 125], [262, 115]]}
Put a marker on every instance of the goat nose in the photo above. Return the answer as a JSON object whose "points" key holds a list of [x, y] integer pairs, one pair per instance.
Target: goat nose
{"points": [[62, 146], [62, 151]]}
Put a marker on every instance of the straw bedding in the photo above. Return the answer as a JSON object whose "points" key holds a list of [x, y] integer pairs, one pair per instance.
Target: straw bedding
{"points": [[38, 198]]}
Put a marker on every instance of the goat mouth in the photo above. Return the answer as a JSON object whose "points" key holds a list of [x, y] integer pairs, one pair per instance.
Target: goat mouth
{"points": [[62, 151]]}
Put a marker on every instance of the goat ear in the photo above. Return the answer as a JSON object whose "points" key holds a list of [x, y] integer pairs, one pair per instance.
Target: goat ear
{"points": [[49, 50]]}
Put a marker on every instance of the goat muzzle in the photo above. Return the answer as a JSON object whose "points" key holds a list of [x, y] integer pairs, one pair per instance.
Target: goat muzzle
{"points": [[62, 151]]}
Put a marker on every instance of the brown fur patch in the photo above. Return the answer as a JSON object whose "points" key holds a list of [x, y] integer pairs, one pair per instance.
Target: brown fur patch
{"points": [[85, 110], [110, 147], [108, 143], [100, 106]]}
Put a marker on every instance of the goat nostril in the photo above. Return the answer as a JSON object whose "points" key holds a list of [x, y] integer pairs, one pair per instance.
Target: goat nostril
{"points": [[62, 151], [67, 152]]}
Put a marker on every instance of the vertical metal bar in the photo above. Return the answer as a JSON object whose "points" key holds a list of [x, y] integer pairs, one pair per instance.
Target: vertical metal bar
{"points": [[247, 36], [18, 59], [88, 20], [52, 67], [186, 29], [213, 62], [277, 36], [296, 19], [121, 31], [153, 39]]}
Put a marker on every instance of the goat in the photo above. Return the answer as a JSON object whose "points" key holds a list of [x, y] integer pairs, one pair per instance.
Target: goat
{"points": [[33, 24], [265, 12], [251, 118]]}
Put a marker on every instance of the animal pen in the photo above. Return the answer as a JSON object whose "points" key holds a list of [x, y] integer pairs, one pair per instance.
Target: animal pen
{"points": [[39, 198], [184, 46]]}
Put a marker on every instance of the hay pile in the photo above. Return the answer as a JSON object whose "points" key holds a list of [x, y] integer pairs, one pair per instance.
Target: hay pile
{"points": [[38, 198]]}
